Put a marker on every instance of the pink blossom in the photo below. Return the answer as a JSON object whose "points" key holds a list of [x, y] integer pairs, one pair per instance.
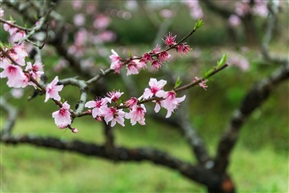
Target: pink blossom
{"points": [[101, 21], [74, 130], [157, 49], [105, 36], [169, 40], [80, 37], [11, 30], [131, 102], [14, 74], [113, 115], [37, 23], [14, 32], [166, 13], [155, 87], [76, 50], [147, 57], [18, 36], [183, 48], [96, 105], [170, 103], [202, 84], [239, 61], [195, 9], [90, 8], [261, 9], [137, 114], [140, 64], [35, 70], [158, 106], [77, 4], [20, 51], [52, 90], [114, 57], [114, 96], [1, 12], [79, 19], [61, 64], [197, 13], [62, 117], [156, 65], [132, 68], [234, 20], [163, 56], [116, 66], [242, 8], [18, 54], [116, 62]]}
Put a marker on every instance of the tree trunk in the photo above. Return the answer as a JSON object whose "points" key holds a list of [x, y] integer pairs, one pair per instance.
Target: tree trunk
{"points": [[225, 185]]}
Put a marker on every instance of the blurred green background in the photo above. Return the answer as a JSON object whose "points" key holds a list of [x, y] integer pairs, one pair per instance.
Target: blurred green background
{"points": [[259, 162]]}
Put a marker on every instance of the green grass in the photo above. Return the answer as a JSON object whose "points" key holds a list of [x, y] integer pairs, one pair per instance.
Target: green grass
{"points": [[28, 169]]}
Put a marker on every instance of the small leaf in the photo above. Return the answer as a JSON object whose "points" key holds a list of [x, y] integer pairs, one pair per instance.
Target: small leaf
{"points": [[209, 72], [119, 102], [205, 73], [178, 83], [222, 61], [198, 24], [11, 19]]}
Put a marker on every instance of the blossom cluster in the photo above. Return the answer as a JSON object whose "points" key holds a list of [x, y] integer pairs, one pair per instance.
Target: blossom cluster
{"points": [[243, 8], [21, 73], [15, 68], [195, 9], [154, 58], [85, 35], [109, 109], [15, 33]]}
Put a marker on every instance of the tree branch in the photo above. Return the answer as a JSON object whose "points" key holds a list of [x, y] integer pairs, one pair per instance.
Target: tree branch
{"points": [[12, 115], [254, 99], [121, 154], [195, 141]]}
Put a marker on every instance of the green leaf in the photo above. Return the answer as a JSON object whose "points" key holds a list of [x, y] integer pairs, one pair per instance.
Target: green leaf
{"points": [[178, 83], [222, 61], [210, 71], [198, 24], [205, 73], [11, 19], [119, 102]]}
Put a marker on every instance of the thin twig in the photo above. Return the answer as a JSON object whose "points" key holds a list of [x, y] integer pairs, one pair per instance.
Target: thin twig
{"points": [[194, 83]]}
